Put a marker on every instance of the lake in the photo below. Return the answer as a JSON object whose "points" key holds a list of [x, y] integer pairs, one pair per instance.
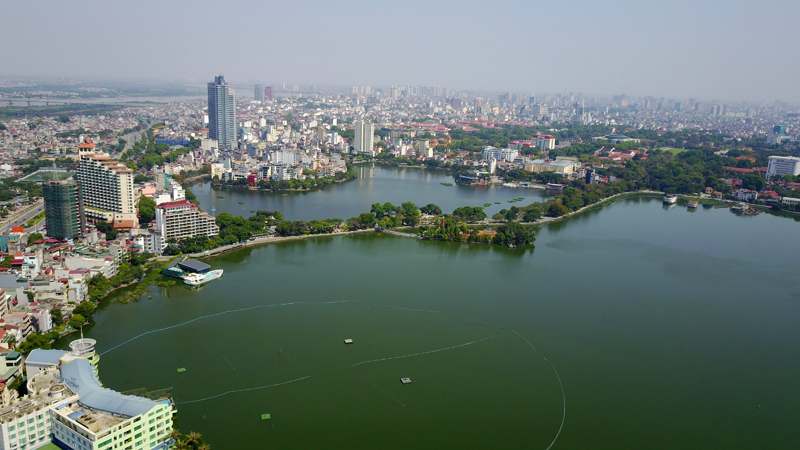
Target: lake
{"points": [[667, 329], [379, 184]]}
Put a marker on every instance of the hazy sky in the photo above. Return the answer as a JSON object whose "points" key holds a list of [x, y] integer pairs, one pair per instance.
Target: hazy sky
{"points": [[707, 49]]}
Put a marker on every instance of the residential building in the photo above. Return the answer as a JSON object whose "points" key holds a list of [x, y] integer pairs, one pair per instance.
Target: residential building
{"points": [[222, 113], [106, 190], [182, 219], [269, 93], [544, 141], [783, 165], [63, 209], [745, 195], [364, 135], [790, 201], [504, 154], [258, 93]]}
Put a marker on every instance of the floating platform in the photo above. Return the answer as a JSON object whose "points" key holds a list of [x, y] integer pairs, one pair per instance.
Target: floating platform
{"points": [[348, 341], [405, 380], [266, 416], [181, 370]]}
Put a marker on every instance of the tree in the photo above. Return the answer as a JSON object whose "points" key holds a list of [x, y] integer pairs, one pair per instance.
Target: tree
{"points": [[431, 209], [108, 229], [410, 214], [147, 209], [514, 234], [193, 439], [77, 321], [63, 118], [532, 214], [469, 213], [753, 182], [57, 316], [85, 309], [34, 237]]}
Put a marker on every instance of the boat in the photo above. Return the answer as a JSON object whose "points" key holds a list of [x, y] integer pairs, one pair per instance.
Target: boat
{"points": [[196, 279], [692, 204], [739, 207], [670, 199]]}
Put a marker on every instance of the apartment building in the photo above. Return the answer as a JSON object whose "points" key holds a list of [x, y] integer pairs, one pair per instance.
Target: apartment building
{"points": [[106, 188], [500, 154], [182, 219]]}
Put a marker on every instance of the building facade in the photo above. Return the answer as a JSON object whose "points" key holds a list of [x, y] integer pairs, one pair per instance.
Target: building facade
{"points": [[222, 113], [258, 93], [364, 137], [63, 209], [106, 190], [68, 406], [783, 165], [182, 219], [501, 154]]}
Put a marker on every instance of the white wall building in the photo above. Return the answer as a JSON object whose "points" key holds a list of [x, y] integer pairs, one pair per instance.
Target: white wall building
{"points": [[783, 165], [505, 154], [364, 137], [106, 188]]}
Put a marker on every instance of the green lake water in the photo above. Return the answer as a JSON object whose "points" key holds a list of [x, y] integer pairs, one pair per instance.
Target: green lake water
{"points": [[668, 329], [378, 184]]}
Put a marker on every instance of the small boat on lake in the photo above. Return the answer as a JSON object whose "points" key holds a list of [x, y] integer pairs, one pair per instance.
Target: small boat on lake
{"points": [[692, 204], [670, 199], [196, 279]]}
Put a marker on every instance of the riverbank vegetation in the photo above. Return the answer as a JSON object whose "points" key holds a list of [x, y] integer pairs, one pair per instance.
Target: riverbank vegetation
{"points": [[232, 229]]}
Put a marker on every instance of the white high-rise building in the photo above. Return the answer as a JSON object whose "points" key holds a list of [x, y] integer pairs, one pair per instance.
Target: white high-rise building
{"points": [[783, 165], [364, 137], [106, 188]]}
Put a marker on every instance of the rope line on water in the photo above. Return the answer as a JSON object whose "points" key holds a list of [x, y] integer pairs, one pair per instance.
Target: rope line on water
{"points": [[552, 366], [231, 311], [558, 377], [332, 371]]}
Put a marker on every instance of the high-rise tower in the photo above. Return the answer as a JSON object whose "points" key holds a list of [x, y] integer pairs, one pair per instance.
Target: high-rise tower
{"points": [[222, 113], [63, 209], [363, 138]]}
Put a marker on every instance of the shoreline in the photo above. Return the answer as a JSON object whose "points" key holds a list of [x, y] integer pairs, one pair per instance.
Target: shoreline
{"points": [[269, 240]]}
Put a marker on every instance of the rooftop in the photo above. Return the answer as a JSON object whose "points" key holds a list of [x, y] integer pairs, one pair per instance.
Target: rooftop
{"points": [[78, 375]]}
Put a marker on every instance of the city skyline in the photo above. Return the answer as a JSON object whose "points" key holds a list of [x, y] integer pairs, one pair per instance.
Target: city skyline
{"points": [[698, 49]]}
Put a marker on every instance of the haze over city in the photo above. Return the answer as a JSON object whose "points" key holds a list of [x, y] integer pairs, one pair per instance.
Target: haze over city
{"points": [[709, 49], [406, 225]]}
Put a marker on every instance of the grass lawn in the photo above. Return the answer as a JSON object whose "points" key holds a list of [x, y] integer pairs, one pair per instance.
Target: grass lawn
{"points": [[50, 446]]}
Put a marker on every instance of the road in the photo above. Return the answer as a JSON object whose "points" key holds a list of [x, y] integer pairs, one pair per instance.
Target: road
{"points": [[18, 220]]}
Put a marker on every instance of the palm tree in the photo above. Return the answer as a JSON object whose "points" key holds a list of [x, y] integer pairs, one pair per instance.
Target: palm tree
{"points": [[175, 434], [204, 447], [181, 445], [193, 439]]}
